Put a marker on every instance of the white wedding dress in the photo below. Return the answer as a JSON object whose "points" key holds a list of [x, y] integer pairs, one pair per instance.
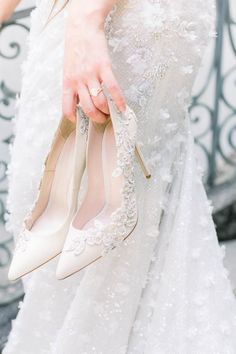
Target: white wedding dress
{"points": [[166, 291]]}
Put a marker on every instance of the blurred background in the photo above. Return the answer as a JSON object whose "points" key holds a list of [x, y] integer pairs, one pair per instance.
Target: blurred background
{"points": [[213, 115]]}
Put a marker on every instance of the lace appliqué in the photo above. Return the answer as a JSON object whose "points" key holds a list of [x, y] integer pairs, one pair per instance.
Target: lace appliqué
{"points": [[123, 219], [84, 121], [22, 240]]}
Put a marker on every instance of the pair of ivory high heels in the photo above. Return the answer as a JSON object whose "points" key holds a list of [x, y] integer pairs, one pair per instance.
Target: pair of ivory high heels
{"points": [[108, 213]]}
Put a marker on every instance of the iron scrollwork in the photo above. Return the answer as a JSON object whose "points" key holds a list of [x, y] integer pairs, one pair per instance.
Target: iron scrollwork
{"points": [[10, 52], [220, 118]]}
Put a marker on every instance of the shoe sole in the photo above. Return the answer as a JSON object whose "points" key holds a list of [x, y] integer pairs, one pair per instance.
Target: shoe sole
{"points": [[37, 267]]}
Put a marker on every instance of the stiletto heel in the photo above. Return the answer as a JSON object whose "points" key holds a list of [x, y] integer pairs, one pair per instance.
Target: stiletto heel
{"points": [[141, 161]]}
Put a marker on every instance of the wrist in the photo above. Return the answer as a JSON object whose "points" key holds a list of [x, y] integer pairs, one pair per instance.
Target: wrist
{"points": [[85, 17]]}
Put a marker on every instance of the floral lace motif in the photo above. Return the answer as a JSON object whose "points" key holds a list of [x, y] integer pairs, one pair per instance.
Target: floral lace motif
{"points": [[84, 121], [22, 240], [25, 234], [122, 220]]}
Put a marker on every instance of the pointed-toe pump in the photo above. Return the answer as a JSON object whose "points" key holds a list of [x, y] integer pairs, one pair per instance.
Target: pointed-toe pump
{"points": [[46, 225], [113, 194]]}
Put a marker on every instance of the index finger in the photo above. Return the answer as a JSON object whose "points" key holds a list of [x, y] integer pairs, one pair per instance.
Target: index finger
{"points": [[113, 87]]}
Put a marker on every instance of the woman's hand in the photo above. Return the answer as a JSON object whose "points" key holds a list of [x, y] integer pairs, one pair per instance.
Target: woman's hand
{"points": [[6, 9], [87, 63]]}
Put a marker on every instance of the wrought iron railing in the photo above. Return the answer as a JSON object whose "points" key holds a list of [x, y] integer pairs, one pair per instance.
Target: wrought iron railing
{"points": [[220, 114], [10, 52]]}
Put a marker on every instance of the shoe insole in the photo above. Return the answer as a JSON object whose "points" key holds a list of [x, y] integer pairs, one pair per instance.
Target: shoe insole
{"points": [[94, 199], [113, 185], [57, 210]]}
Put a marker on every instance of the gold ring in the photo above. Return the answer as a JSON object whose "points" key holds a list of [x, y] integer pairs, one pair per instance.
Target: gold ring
{"points": [[95, 91]]}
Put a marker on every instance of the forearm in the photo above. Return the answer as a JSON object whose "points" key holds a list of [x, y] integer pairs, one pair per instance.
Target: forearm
{"points": [[6, 8], [84, 12]]}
